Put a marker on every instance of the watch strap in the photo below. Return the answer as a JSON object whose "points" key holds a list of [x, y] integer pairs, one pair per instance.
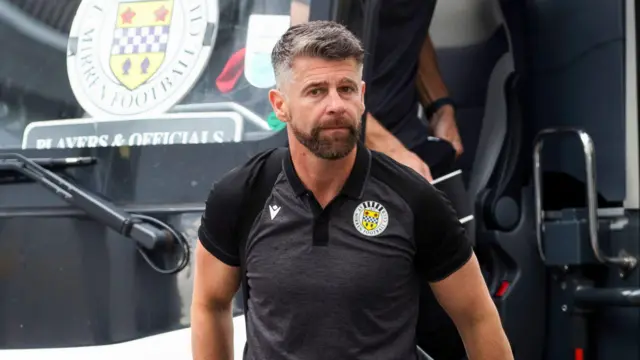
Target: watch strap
{"points": [[436, 105]]}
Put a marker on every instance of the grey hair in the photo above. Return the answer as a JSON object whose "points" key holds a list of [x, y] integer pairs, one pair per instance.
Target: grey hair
{"points": [[323, 39]]}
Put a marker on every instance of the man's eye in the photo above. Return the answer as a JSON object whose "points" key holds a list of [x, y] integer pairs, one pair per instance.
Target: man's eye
{"points": [[315, 92], [347, 89]]}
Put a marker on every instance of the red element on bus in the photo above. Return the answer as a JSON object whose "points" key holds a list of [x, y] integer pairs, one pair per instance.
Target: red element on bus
{"points": [[504, 286], [231, 72]]}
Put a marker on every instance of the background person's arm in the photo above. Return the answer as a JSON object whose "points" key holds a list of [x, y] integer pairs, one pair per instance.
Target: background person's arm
{"points": [[431, 87], [378, 138], [429, 82], [215, 284], [299, 12]]}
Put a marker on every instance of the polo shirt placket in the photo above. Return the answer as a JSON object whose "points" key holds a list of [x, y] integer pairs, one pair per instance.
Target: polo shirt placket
{"points": [[352, 189]]}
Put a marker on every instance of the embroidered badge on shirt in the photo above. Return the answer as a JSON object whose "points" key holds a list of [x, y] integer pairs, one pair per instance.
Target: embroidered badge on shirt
{"points": [[370, 218]]}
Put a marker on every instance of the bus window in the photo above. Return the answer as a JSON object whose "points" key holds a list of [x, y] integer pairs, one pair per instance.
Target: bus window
{"points": [[139, 73]]}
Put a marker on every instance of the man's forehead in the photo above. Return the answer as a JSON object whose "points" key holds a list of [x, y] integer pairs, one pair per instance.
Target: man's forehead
{"points": [[316, 70]]}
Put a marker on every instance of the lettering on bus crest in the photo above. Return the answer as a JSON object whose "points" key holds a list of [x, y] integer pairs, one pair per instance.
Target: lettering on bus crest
{"points": [[138, 57]]}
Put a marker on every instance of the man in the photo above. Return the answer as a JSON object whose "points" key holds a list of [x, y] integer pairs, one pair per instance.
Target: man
{"points": [[338, 237], [404, 74]]}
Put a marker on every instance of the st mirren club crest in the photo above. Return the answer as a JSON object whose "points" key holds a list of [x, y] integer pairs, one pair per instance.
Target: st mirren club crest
{"points": [[140, 41], [138, 57], [370, 218]]}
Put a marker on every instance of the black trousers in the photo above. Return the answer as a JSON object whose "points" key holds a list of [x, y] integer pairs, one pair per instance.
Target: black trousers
{"points": [[436, 333]]}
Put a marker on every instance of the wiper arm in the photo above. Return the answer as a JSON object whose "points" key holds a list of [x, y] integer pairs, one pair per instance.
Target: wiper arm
{"points": [[103, 211], [64, 163], [9, 175]]}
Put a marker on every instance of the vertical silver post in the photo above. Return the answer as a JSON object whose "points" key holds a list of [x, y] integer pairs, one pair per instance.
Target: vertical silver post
{"points": [[626, 262]]}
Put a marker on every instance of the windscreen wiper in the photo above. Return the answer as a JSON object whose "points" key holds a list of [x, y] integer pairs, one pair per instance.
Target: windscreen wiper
{"points": [[63, 163], [9, 175], [144, 233]]}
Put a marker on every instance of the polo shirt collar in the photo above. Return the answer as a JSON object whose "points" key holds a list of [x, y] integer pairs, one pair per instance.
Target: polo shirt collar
{"points": [[353, 187]]}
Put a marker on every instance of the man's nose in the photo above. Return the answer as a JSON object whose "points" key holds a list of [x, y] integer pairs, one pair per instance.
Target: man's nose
{"points": [[336, 103]]}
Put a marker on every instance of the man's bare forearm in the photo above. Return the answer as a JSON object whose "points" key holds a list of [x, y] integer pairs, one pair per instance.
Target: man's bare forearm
{"points": [[429, 82], [211, 332], [378, 138], [486, 340]]}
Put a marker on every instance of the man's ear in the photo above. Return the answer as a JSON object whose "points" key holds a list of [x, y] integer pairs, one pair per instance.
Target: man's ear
{"points": [[363, 88], [279, 105]]}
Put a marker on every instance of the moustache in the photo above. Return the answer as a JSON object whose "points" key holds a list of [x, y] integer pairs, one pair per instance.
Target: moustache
{"points": [[339, 122]]}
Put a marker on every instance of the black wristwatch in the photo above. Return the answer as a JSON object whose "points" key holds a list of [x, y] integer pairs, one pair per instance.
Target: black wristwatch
{"points": [[436, 105]]}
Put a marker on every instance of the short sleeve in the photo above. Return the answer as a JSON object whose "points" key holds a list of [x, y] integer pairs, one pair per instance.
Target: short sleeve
{"points": [[442, 243], [226, 207], [217, 226]]}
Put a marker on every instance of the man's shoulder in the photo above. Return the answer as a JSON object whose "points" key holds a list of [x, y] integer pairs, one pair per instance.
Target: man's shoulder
{"points": [[384, 168], [243, 178], [403, 180]]}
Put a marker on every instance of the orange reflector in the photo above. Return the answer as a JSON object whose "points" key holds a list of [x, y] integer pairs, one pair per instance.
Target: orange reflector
{"points": [[579, 354], [503, 288]]}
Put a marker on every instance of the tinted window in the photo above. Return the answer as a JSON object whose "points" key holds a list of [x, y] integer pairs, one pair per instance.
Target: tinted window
{"points": [[96, 73]]}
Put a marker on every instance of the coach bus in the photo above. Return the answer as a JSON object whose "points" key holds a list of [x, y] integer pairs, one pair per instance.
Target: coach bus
{"points": [[117, 115]]}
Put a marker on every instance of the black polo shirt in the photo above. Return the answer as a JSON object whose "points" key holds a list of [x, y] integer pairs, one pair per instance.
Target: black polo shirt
{"points": [[339, 282], [392, 97]]}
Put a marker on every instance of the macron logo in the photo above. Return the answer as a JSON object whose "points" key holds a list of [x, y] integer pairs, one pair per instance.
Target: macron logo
{"points": [[273, 210]]}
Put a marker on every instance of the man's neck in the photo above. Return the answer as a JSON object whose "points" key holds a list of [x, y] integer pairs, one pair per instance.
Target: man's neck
{"points": [[324, 178]]}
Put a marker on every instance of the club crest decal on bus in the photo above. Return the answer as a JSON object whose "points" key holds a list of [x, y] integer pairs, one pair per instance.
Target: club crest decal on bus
{"points": [[140, 41], [133, 57]]}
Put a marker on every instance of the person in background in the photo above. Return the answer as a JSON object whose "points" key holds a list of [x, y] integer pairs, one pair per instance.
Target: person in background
{"points": [[299, 11], [404, 76]]}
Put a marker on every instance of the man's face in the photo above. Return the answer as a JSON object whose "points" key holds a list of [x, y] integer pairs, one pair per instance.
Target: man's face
{"points": [[322, 102]]}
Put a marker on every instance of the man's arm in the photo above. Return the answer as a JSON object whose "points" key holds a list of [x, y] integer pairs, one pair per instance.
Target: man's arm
{"points": [[299, 12], [431, 87], [378, 138], [215, 284], [429, 82], [446, 260], [217, 261], [465, 297]]}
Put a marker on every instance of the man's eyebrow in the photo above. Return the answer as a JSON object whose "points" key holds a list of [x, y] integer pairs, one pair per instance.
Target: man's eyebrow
{"points": [[315, 84], [349, 80], [325, 83]]}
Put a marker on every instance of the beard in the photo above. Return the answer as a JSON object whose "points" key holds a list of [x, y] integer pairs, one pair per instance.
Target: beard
{"points": [[332, 146]]}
